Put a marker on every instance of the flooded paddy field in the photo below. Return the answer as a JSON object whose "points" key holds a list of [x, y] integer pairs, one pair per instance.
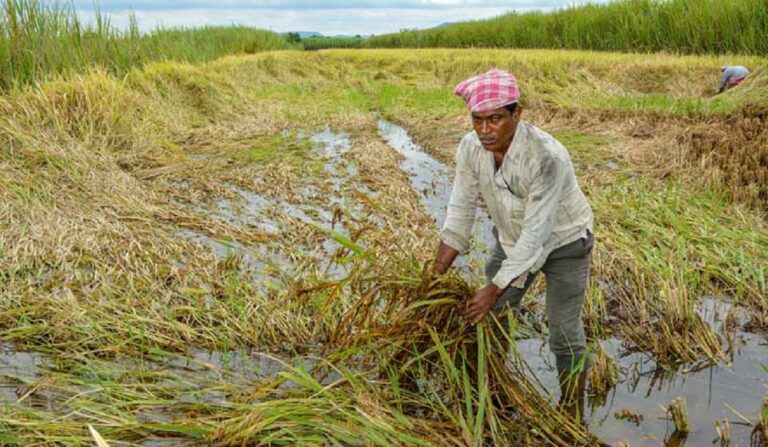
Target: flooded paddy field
{"points": [[259, 274]]}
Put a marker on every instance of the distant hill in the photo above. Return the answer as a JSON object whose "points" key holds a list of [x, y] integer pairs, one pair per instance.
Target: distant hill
{"points": [[310, 34], [303, 34], [351, 36]]}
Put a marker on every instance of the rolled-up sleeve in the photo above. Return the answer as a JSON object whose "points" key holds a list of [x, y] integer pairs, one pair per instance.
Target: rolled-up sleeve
{"points": [[540, 212], [462, 205]]}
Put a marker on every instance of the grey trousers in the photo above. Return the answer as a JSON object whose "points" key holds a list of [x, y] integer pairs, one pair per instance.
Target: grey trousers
{"points": [[567, 273]]}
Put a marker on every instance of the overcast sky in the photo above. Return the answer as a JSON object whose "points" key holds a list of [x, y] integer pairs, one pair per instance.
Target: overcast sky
{"points": [[327, 17]]}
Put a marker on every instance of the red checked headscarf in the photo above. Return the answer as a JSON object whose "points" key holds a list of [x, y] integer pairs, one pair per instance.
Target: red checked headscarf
{"points": [[488, 91]]}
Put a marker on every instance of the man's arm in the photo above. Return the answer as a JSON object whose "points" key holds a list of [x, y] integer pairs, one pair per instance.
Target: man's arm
{"points": [[445, 257], [460, 215], [724, 81]]}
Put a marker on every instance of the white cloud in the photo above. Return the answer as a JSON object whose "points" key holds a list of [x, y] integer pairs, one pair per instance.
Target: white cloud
{"points": [[328, 18], [327, 21], [119, 5]]}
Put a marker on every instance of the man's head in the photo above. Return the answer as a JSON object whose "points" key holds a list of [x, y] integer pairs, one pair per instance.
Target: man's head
{"points": [[492, 99], [496, 127]]}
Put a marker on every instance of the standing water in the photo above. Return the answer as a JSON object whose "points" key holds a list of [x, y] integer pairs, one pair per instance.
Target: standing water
{"points": [[433, 181], [249, 211]]}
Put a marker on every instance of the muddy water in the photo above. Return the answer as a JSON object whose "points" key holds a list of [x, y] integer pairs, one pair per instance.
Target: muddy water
{"points": [[712, 394], [17, 369], [731, 391], [197, 378], [251, 211]]}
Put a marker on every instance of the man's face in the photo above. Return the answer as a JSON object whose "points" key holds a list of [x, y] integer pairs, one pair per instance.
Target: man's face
{"points": [[496, 127]]}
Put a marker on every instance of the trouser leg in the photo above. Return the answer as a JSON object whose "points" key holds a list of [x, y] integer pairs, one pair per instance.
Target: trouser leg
{"points": [[509, 300], [567, 273], [512, 296]]}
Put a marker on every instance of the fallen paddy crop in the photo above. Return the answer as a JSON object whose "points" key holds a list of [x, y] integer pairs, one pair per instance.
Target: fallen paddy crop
{"points": [[252, 206]]}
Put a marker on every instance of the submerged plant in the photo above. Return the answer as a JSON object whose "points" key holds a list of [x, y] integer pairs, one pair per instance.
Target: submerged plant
{"points": [[760, 432], [724, 432], [678, 413]]}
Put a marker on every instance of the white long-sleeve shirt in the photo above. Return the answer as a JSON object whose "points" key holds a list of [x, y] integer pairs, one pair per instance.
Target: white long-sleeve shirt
{"points": [[533, 199]]}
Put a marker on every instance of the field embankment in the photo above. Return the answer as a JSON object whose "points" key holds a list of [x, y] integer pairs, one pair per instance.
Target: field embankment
{"points": [[174, 238], [40, 41]]}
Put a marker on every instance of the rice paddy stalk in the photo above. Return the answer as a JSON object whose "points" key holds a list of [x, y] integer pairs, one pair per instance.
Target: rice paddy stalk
{"points": [[418, 326], [100, 442], [603, 374], [678, 412], [724, 432], [760, 432]]}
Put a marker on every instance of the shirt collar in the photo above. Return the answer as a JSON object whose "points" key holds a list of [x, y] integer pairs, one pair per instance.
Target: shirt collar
{"points": [[518, 141], [506, 173]]}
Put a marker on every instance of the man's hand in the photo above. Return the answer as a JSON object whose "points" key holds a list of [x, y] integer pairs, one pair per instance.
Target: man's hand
{"points": [[481, 303]]}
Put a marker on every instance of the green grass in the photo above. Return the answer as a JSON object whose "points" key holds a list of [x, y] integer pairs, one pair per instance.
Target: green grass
{"points": [[271, 148], [705, 249], [581, 143], [679, 26], [40, 41], [319, 42]]}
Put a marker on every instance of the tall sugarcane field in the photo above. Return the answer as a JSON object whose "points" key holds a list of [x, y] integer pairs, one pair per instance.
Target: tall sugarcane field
{"points": [[215, 237]]}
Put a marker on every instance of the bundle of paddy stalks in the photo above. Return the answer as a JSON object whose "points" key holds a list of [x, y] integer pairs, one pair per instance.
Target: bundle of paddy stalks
{"points": [[403, 362]]}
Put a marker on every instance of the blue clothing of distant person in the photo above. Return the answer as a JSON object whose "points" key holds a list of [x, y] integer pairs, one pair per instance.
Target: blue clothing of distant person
{"points": [[732, 76]]}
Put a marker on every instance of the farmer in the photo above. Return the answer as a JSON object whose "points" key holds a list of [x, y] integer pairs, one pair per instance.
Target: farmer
{"points": [[542, 221], [731, 77]]}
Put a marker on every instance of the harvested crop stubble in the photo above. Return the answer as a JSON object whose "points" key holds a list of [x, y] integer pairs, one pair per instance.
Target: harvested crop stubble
{"points": [[603, 374], [734, 151]]}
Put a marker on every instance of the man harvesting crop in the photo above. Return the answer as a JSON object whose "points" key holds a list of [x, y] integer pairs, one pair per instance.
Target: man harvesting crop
{"points": [[732, 75], [542, 220]]}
